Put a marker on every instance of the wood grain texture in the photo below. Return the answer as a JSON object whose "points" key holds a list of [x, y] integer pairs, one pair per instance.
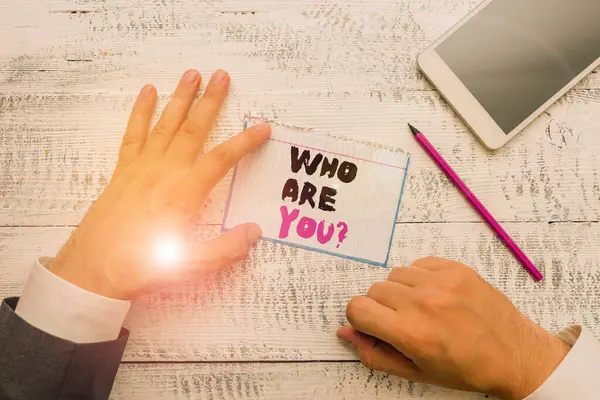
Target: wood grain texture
{"points": [[283, 381], [116, 45], [58, 152], [71, 70], [286, 304]]}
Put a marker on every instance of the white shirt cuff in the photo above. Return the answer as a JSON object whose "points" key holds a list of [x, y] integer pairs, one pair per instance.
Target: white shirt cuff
{"points": [[69, 312], [577, 376]]}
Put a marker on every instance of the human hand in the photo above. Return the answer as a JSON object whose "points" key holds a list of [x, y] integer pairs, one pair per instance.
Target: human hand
{"points": [[138, 235], [438, 322]]}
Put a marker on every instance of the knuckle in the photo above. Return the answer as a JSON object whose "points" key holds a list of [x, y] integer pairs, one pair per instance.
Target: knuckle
{"points": [[375, 289], [178, 103], [238, 251], [129, 140], [367, 358], [432, 302], [221, 155], [213, 95], [248, 140], [458, 279], [428, 300], [191, 128], [210, 96], [353, 308], [396, 274], [238, 259], [179, 207], [455, 283], [176, 205], [427, 261], [160, 130]]}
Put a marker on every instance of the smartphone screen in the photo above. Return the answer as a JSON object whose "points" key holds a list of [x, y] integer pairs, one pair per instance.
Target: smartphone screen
{"points": [[514, 55]]}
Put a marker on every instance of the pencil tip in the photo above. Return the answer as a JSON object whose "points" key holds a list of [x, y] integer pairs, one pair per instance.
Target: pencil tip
{"points": [[414, 130]]}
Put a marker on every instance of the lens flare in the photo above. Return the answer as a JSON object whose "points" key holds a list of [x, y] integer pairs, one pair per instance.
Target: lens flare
{"points": [[167, 251]]}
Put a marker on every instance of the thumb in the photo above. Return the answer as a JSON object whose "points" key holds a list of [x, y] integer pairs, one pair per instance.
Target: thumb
{"points": [[380, 356], [229, 248]]}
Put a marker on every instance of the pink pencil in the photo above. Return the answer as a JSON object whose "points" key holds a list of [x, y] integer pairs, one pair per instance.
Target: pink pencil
{"points": [[491, 221]]}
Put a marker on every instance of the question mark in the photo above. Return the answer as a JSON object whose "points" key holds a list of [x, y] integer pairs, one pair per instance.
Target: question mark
{"points": [[342, 235]]}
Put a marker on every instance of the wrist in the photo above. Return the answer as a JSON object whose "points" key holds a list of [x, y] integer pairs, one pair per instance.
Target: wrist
{"points": [[535, 361], [83, 274]]}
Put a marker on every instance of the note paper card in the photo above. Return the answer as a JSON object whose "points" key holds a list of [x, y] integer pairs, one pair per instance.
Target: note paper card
{"points": [[329, 194]]}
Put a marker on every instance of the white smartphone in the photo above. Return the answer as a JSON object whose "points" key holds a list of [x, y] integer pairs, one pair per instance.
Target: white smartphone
{"points": [[509, 60]]}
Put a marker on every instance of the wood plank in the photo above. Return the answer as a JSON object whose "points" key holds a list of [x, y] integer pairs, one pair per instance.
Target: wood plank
{"points": [[58, 152], [264, 381], [115, 45], [61, 117], [285, 303], [69, 71]]}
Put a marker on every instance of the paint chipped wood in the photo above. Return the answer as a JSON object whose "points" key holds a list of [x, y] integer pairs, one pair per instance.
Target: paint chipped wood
{"points": [[70, 69], [59, 150], [287, 381], [286, 303]]}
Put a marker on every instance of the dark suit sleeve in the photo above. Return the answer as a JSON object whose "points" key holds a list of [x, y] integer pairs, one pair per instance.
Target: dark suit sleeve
{"points": [[36, 365]]}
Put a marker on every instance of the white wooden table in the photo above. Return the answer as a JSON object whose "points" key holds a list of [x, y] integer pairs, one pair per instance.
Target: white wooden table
{"points": [[69, 71]]}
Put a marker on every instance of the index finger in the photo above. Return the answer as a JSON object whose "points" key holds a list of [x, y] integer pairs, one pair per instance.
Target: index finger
{"points": [[368, 316], [211, 168]]}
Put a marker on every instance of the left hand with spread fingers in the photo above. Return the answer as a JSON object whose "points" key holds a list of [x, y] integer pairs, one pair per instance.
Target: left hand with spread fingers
{"points": [[138, 235], [439, 322]]}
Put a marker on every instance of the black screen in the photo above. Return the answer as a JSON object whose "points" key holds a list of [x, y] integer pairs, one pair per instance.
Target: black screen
{"points": [[514, 55]]}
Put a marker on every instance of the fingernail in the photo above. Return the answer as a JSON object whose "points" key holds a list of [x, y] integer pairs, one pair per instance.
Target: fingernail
{"points": [[340, 335], [146, 91], [219, 77], [253, 234], [190, 77]]}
